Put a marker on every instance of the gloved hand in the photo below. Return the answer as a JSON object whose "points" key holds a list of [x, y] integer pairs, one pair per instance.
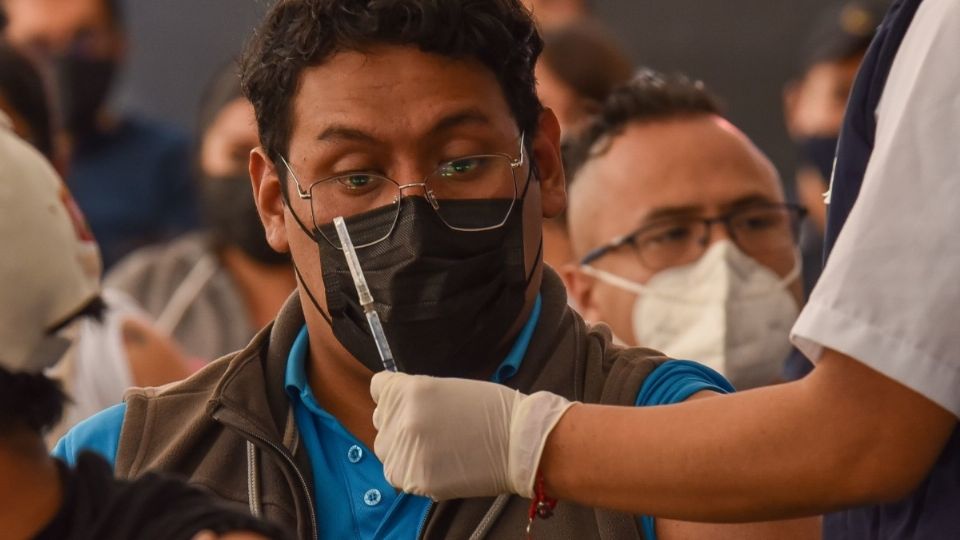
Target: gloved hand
{"points": [[456, 438]]}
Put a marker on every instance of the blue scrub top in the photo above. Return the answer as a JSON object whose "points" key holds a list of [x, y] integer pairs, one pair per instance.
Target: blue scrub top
{"points": [[930, 512]]}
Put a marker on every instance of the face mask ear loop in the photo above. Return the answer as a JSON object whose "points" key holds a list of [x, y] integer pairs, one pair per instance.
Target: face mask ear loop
{"points": [[296, 270], [794, 274], [537, 262], [312, 298], [286, 202], [526, 184], [614, 280]]}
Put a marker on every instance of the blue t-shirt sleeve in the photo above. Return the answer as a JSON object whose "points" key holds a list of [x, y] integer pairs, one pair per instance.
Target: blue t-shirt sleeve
{"points": [[99, 434], [673, 382]]}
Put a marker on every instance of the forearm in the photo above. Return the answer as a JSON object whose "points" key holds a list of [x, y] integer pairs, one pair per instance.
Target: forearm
{"points": [[844, 436]]}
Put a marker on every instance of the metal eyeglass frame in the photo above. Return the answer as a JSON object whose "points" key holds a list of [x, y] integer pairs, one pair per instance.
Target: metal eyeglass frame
{"points": [[725, 219], [428, 194]]}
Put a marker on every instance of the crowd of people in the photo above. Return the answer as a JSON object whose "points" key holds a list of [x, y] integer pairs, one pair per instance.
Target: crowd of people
{"points": [[603, 303]]}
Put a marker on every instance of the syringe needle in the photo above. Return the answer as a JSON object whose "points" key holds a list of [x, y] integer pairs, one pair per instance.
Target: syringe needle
{"points": [[363, 293]]}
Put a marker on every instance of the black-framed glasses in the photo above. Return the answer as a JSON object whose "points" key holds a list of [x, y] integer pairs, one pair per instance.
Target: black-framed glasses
{"points": [[758, 230], [453, 190]]}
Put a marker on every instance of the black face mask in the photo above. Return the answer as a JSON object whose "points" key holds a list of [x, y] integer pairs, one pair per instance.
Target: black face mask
{"points": [[447, 298], [819, 153], [83, 85], [231, 214]]}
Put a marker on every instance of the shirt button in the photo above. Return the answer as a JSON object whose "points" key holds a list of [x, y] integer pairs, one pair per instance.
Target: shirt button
{"points": [[372, 497], [355, 454]]}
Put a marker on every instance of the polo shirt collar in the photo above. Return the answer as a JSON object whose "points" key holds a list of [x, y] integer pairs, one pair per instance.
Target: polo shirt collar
{"points": [[296, 374]]}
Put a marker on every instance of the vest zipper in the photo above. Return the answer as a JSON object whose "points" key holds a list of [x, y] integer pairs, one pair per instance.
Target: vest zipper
{"points": [[303, 482], [424, 519]]}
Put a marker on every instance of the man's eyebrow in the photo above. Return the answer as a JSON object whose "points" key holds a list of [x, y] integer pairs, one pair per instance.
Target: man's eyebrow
{"points": [[460, 118], [340, 132], [667, 212], [748, 201]]}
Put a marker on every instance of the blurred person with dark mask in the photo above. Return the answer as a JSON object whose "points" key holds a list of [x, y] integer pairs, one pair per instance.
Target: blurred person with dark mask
{"points": [[814, 104], [47, 287], [212, 290], [579, 67], [129, 175], [420, 124]]}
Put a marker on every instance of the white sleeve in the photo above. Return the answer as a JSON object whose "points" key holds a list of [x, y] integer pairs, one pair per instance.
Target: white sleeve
{"points": [[890, 293]]}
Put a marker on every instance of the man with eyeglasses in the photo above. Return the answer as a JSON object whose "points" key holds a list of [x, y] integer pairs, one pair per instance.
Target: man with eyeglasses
{"points": [[684, 240], [418, 123]]}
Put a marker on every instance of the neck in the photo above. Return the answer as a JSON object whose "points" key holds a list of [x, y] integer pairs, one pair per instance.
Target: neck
{"points": [[340, 383], [264, 287], [30, 487]]}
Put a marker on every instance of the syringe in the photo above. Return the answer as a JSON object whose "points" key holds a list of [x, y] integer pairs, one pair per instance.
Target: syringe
{"points": [[363, 292]]}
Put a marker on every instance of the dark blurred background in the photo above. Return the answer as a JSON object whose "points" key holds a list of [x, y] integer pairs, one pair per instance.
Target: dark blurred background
{"points": [[745, 50]]}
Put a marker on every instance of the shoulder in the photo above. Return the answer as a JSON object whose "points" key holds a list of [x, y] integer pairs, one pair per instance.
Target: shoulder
{"points": [[619, 371], [200, 386], [677, 380], [98, 434], [920, 80]]}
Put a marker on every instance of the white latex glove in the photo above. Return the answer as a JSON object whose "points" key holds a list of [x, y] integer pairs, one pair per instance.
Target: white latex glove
{"points": [[457, 438]]}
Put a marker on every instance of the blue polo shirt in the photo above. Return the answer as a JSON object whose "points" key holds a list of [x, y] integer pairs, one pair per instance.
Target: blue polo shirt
{"points": [[352, 497]]}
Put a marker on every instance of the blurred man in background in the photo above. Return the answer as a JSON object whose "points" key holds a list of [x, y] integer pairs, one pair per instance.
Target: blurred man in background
{"points": [[130, 176], [47, 287], [814, 104], [579, 67], [212, 291], [674, 206]]}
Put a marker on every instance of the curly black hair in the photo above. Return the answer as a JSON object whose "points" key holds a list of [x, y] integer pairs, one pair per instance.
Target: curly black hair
{"points": [[31, 401], [649, 97], [297, 34]]}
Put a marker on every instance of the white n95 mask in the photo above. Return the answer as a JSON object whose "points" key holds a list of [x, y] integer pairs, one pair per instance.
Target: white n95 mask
{"points": [[725, 310]]}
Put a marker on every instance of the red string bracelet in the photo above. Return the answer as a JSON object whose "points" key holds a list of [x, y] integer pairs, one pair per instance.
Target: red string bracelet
{"points": [[541, 506]]}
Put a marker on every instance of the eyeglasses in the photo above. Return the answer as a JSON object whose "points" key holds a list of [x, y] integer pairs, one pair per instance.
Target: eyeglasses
{"points": [[757, 230], [455, 191]]}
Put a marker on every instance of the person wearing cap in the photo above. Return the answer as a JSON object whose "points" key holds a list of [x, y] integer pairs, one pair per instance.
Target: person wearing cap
{"points": [[870, 434], [47, 286], [120, 348], [109, 353]]}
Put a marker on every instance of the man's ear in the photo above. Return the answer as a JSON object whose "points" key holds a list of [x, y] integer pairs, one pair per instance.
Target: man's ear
{"points": [[546, 153], [580, 288], [267, 194]]}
